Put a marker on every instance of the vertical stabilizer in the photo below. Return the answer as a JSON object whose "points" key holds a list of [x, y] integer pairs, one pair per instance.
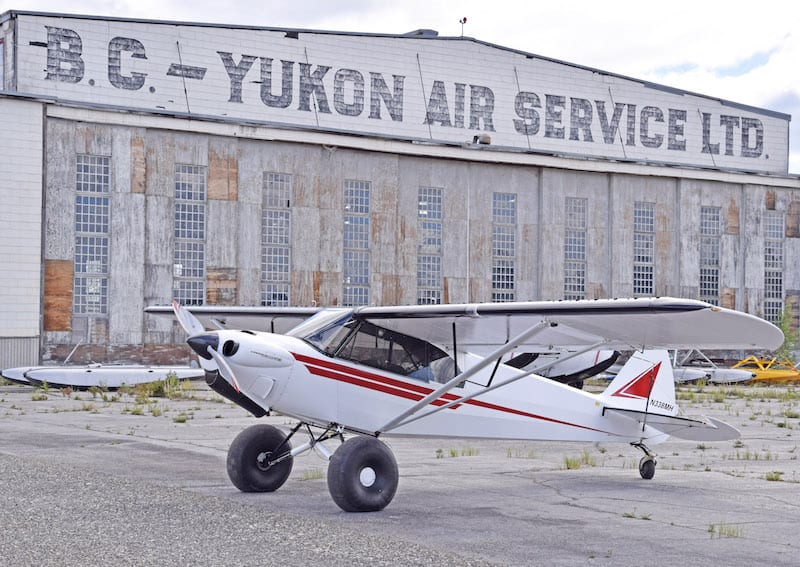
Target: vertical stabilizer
{"points": [[645, 384]]}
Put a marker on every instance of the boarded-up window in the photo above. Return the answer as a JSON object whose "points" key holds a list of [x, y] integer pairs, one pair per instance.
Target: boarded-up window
{"points": [[58, 280]]}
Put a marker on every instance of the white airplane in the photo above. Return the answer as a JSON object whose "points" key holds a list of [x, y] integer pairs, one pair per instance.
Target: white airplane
{"points": [[572, 370], [696, 360], [412, 371], [110, 376], [562, 367]]}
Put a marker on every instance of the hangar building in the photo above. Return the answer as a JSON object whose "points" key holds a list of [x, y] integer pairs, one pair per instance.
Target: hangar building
{"points": [[214, 164]]}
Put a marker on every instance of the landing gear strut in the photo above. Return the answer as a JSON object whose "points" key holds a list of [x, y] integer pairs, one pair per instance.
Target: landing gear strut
{"points": [[647, 466]]}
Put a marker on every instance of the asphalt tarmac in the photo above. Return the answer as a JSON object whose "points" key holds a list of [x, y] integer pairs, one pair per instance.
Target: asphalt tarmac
{"points": [[107, 479]]}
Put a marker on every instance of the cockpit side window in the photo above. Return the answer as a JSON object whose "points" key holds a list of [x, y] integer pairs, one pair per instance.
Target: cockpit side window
{"points": [[398, 353]]}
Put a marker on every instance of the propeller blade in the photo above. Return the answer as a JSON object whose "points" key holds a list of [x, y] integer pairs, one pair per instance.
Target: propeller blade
{"points": [[193, 326], [224, 368], [207, 365], [189, 322]]}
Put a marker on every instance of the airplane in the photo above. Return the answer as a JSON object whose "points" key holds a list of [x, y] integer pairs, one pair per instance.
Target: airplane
{"points": [[770, 371], [572, 370], [689, 370], [696, 360], [411, 370], [109, 376], [563, 368]]}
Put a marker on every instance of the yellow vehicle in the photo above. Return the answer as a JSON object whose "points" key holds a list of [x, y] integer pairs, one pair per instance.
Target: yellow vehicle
{"points": [[772, 370]]}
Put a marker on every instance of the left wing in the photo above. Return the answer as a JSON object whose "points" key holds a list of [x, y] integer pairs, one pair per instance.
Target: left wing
{"points": [[622, 324]]}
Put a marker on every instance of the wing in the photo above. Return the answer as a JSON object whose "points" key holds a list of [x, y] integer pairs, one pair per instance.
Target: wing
{"points": [[271, 319], [623, 324]]}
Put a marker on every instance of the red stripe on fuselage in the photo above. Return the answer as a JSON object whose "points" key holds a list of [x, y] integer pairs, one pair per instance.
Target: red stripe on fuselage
{"points": [[370, 380], [415, 392]]}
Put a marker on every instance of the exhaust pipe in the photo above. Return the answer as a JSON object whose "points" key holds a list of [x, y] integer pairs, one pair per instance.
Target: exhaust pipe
{"points": [[224, 389]]}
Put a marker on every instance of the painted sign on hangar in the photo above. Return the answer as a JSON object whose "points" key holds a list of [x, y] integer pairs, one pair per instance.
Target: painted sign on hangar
{"points": [[419, 88]]}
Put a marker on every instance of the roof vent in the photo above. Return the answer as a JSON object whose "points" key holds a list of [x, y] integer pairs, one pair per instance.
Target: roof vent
{"points": [[422, 33]]}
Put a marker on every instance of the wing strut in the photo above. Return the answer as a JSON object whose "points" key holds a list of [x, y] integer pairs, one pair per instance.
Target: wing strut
{"points": [[455, 348], [406, 419], [458, 378]]}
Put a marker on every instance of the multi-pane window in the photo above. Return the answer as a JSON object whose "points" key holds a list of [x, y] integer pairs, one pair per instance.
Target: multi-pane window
{"points": [[504, 246], [429, 251], [92, 215], [356, 250], [710, 233], [644, 237], [575, 248], [276, 239], [189, 265], [773, 265]]}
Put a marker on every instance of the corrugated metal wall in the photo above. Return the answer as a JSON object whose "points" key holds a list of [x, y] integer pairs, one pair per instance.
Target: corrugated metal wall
{"points": [[143, 162], [19, 351]]}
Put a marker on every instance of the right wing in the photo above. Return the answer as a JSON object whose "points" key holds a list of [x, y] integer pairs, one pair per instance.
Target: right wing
{"points": [[269, 319]]}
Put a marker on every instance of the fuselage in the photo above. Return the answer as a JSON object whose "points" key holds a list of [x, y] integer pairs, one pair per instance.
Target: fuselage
{"points": [[289, 375]]}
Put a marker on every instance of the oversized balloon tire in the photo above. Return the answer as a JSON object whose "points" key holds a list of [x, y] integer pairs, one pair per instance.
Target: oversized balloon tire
{"points": [[249, 455], [647, 467], [362, 475]]}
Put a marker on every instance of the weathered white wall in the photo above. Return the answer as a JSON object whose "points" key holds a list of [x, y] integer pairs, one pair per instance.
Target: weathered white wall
{"points": [[21, 146], [143, 158]]}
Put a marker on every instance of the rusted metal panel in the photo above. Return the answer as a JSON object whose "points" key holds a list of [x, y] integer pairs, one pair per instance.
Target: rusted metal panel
{"points": [[728, 298], [392, 290], [326, 287], [223, 175], [221, 284], [58, 281], [138, 165], [769, 200], [793, 220], [732, 217]]}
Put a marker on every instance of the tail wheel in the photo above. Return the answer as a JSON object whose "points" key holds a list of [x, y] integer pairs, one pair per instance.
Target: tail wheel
{"points": [[250, 455], [647, 467], [362, 475]]}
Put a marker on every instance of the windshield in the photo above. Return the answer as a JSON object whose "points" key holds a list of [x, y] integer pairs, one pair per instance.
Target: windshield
{"points": [[322, 330]]}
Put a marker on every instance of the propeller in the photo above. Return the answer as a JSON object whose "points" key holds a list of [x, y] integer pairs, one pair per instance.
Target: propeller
{"points": [[198, 339], [193, 327], [189, 322]]}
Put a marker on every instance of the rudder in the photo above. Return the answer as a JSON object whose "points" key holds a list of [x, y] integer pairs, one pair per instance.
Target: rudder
{"points": [[645, 384]]}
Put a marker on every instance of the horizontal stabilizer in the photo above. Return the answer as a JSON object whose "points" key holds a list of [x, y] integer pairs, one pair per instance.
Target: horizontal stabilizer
{"points": [[691, 428]]}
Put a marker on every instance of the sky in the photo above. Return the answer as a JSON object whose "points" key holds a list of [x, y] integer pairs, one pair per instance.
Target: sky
{"points": [[744, 52]]}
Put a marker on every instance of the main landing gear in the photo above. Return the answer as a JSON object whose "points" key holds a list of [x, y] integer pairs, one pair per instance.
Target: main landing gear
{"points": [[647, 465], [362, 472]]}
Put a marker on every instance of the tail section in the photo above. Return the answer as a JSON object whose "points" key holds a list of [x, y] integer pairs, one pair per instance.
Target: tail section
{"points": [[644, 391], [645, 384]]}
